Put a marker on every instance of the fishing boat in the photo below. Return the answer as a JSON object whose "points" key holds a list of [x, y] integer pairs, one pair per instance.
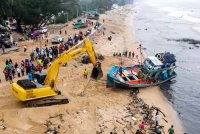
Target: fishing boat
{"points": [[79, 25], [82, 23], [154, 71], [93, 16]]}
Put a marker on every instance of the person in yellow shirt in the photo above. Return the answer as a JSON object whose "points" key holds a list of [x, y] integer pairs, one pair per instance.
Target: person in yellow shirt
{"points": [[85, 73]]}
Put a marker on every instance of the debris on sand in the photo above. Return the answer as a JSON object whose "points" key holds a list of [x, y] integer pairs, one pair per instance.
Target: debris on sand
{"points": [[51, 128], [140, 105], [2, 127], [126, 122], [112, 32], [137, 111], [147, 113], [60, 116], [100, 57]]}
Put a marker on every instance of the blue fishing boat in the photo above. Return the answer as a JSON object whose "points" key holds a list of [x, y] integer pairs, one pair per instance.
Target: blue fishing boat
{"points": [[154, 71], [81, 23]]}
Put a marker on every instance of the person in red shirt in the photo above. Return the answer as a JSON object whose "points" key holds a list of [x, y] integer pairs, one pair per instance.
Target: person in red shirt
{"points": [[141, 126], [39, 68], [5, 71]]}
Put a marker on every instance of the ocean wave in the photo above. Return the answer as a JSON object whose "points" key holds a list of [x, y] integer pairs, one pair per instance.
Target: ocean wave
{"points": [[196, 29], [186, 14], [189, 15]]}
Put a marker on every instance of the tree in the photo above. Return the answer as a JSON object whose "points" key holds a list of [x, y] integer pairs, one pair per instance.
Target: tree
{"points": [[34, 13], [101, 5]]}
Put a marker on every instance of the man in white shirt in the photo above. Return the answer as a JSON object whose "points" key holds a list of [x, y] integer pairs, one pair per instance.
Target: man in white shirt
{"points": [[157, 118]]}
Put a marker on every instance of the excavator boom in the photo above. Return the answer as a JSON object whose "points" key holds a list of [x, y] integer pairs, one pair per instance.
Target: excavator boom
{"points": [[51, 78]]}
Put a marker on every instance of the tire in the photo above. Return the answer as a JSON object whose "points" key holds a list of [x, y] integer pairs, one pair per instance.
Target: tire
{"points": [[65, 101]]}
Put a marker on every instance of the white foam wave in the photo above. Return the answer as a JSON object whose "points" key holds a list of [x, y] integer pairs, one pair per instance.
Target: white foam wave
{"points": [[183, 14], [197, 29]]}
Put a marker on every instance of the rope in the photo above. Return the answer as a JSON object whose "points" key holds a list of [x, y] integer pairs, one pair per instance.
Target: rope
{"points": [[84, 89]]}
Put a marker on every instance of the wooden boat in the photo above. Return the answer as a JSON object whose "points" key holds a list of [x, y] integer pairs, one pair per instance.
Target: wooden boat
{"points": [[151, 73], [79, 25], [93, 16]]}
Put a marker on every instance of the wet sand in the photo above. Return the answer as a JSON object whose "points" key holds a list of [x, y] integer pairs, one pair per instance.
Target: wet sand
{"points": [[93, 107]]}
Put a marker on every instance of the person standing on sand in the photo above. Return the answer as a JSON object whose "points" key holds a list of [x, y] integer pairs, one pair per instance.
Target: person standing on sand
{"points": [[30, 76], [120, 71], [85, 73], [138, 132], [5, 71], [3, 49], [25, 48], [133, 54], [171, 130], [10, 76], [10, 61], [126, 52], [22, 70], [46, 42], [13, 72], [141, 126], [129, 55], [157, 118], [18, 72]]}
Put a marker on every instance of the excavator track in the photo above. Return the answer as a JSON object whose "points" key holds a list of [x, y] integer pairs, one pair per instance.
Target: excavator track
{"points": [[48, 101]]}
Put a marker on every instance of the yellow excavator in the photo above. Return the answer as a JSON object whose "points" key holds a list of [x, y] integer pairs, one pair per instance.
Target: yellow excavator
{"points": [[42, 90]]}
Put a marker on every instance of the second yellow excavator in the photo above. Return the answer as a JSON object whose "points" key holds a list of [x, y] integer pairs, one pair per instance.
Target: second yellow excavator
{"points": [[42, 91]]}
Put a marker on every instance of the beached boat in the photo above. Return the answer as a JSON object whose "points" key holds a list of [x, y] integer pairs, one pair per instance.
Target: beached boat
{"points": [[93, 16], [154, 71], [81, 23]]}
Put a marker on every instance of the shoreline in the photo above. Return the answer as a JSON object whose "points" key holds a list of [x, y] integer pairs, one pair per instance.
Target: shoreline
{"points": [[153, 96]]}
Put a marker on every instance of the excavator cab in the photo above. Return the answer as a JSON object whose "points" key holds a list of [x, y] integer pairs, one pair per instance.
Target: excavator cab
{"points": [[97, 72]]}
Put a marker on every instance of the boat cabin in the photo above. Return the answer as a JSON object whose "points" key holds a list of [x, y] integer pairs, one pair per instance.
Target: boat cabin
{"points": [[152, 63]]}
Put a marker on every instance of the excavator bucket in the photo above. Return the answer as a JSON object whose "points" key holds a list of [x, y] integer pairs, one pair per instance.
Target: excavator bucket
{"points": [[97, 72]]}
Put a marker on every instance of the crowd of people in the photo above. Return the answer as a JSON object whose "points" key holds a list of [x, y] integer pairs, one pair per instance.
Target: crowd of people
{"points": [[125, 53], [158, 127], [39, 58]]}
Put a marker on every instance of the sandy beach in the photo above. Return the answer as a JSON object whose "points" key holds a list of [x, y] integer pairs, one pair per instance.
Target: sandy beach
{"points": [[92, 107]]}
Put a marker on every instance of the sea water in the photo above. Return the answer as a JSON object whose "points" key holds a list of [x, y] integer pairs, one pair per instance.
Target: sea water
{"points": [[159, 23]]}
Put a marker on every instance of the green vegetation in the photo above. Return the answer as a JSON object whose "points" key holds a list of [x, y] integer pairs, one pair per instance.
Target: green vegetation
{"points": [[35, 13], [101, 5]]}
